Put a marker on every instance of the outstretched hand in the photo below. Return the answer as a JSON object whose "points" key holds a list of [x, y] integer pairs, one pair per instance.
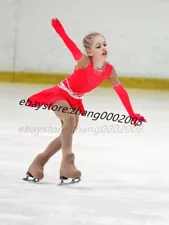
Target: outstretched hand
{"points": [[56, 24], [138, 119]]}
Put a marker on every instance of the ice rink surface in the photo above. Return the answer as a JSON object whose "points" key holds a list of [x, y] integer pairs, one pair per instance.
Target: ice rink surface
{"points": [[125, 172]]}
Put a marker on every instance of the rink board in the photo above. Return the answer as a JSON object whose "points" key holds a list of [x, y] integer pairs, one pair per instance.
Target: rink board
{"points": [[48, 78]]}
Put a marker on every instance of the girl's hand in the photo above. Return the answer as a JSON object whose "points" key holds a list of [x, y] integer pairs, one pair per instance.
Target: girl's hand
{"points": [[56, 24], [138, 119]]}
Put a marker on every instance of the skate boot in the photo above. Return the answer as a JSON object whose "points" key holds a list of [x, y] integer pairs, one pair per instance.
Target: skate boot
{"points": [[35, 170], [69, 170]]}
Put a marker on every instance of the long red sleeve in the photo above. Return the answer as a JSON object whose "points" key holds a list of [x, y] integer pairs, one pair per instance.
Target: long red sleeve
{"points": [[77, 54], [124, 97]]}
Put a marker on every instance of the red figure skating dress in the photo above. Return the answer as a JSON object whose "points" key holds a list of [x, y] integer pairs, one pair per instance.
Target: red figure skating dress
{"points": [[74, 87]]}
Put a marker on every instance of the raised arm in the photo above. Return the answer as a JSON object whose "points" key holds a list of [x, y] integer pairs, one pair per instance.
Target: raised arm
{"points": [[124, 97], [56, 24]]}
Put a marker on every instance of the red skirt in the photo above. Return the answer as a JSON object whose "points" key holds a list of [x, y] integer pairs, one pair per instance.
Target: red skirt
{"points": [[51, 95]]}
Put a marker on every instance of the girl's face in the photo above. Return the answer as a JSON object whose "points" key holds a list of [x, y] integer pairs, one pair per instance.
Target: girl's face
{"points": [[98, 48]]}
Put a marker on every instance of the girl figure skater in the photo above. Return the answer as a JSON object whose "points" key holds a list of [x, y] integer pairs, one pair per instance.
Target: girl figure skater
{"points": [[90, 71]]}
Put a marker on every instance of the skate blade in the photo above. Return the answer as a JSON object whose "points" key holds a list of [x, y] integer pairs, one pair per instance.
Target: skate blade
{"points": [[73, 181], [30, 178]]}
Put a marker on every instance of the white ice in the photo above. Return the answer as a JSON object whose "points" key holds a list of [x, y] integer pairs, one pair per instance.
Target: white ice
{"points": [[125, 174]]}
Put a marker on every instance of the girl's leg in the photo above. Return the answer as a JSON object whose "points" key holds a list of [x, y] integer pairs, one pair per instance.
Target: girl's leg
{"points": [[68, 168], [37, 166]]}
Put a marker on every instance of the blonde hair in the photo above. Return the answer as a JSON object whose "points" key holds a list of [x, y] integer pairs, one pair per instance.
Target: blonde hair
{"points": [[88, 39]]}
